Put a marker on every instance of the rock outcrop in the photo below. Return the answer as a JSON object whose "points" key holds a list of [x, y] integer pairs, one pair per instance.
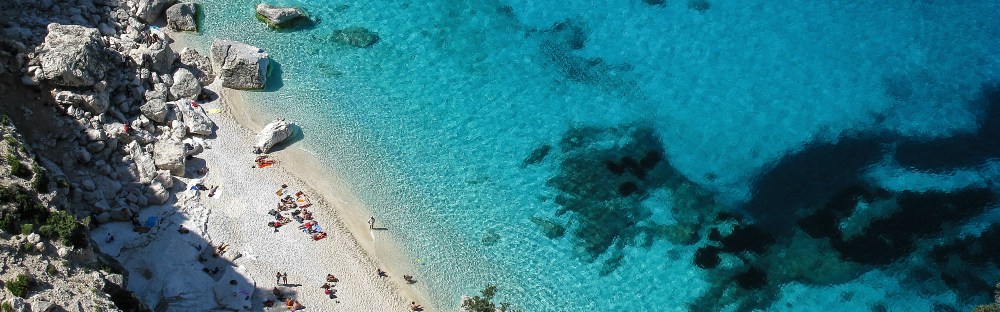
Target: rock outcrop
{"points": [[278, 17], [73, 56], [355, 36], [241, 66], [182, 17], [272, 134]]}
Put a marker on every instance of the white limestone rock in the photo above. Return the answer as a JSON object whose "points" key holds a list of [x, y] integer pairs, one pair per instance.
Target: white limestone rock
{"points": [[169, 155], [143, 162], [241, 66], [186, 85], [195, 118], [272, 134]]}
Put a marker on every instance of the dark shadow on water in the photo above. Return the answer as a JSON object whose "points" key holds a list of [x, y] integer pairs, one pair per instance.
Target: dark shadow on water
{"points": [[300, 24], [274, 81]]}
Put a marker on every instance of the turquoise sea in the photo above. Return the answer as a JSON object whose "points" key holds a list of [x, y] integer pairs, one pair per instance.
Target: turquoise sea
{"points": [[642, 155]]}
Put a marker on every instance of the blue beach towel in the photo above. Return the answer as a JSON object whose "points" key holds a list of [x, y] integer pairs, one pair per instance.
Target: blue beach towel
{"points": [[151, 222]]}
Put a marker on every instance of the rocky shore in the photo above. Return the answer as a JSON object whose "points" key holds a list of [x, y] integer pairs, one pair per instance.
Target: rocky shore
{"points": [[122, 121]]}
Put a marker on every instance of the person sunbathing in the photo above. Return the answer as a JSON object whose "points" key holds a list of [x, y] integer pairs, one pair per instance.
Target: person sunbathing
{"points": [[415, 307], [409, 279]]}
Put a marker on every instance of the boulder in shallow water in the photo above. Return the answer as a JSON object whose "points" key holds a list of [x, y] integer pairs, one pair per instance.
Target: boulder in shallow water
{"points": [[73, 56], [272, 134], [355, 36], [278, 17], [181, 16], [241, 66]]}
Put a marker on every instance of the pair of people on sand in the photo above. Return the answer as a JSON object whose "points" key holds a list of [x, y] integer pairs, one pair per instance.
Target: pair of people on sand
{"points": [[279, 277]]}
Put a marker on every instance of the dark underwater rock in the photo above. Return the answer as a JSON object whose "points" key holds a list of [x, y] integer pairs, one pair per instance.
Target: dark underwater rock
{"points": [[537, 155], [551, 229], [355, 36]]}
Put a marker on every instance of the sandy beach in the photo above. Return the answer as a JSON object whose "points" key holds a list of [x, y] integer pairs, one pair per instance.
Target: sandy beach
{"points": [[237, 215]]}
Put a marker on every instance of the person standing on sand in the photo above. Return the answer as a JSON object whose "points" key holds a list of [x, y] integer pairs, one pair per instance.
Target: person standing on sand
{"points": [[371, 223], [284, 278], [277, 278]]}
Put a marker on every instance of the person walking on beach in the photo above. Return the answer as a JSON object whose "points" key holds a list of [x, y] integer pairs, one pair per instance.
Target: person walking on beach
{"points": [[277, 278], [371, 223], [284, 278]]}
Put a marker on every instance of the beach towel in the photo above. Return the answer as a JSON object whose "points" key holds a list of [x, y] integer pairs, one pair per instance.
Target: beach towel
{"points": [[214, 110], [151, 222]]}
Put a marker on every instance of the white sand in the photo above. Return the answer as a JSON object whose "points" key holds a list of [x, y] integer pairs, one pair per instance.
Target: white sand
{"points": [[164, 266]]}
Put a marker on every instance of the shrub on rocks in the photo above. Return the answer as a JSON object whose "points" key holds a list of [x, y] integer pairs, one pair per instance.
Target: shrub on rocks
{"points": [[20, 286]]}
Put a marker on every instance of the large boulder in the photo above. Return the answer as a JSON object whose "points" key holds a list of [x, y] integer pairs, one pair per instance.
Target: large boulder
{"points": [[198, 64], [73, 56], [355, 36], [195, 118], [155, 109], [169, 155], [186, 85], [272, 134], [277, 17], [241, 66], [149, 10], [181, 17]]}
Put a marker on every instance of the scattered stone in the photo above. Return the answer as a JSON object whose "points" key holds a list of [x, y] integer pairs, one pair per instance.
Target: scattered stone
{"points": [[181, 16], [278, 17], [355, 36], [241, 66], [73, 56], [34, 238]]}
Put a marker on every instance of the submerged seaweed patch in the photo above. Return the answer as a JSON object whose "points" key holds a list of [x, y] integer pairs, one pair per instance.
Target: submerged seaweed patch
{"points": [[559, 44], [602, 180]]}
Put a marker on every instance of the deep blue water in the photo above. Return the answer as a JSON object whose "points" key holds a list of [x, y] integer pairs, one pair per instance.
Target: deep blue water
{"points": [[622, 155]]}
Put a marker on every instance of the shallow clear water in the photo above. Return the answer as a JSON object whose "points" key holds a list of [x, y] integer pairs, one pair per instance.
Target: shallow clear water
{"points": [[433, 125]]}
